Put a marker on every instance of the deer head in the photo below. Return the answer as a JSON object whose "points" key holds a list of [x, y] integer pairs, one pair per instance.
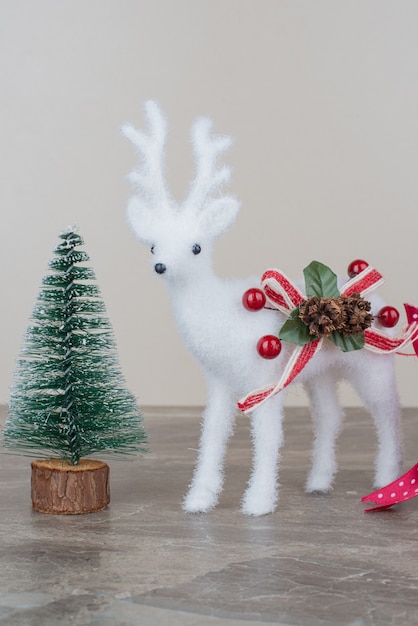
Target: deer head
{"points": [[179, 235]]}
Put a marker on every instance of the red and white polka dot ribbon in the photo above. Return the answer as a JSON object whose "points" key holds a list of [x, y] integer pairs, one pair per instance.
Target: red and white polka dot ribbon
{"points": [[406, 486], [403, 488], [285, 296]]}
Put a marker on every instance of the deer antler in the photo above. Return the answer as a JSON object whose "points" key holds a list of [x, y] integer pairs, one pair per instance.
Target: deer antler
{"points": [[149, 179], [209, 178]]}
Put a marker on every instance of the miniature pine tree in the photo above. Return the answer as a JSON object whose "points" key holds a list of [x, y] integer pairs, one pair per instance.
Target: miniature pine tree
{"points": [[69, 397]]}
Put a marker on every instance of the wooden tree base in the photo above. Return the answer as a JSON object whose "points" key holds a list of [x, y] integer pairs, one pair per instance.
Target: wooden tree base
{"points": [[61, 488]]}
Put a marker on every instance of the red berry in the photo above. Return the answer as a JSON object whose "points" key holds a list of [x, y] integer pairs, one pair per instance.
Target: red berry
{"points": [[269, 346], [254, 299], [356, 267], [388, 316]]}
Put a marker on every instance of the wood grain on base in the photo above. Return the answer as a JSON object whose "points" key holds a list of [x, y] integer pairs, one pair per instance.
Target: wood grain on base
{"points": [[61, 488]]}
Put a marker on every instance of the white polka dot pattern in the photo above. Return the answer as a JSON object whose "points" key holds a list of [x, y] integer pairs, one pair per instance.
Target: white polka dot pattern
{"points": [[403, 488]]}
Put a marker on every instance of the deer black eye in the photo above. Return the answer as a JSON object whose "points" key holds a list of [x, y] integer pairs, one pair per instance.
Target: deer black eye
{"points": [[196, 249], [152, 249]]}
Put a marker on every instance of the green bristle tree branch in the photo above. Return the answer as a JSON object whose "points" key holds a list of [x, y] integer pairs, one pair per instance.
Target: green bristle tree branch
{"points": [[69, 397]]}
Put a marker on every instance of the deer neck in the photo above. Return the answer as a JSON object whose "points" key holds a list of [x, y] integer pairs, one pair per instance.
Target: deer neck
{"points": [[195, 285], [194, 297], [199, 309]]}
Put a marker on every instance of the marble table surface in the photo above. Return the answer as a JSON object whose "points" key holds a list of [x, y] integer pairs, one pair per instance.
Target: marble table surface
{"points": [[319, 560]]}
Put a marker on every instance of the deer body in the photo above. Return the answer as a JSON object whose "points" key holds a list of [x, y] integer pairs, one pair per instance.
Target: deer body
{"points": [[222, 334]]}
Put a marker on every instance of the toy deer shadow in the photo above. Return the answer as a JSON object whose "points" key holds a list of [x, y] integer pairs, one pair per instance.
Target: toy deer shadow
{"points": [[222, 334]]}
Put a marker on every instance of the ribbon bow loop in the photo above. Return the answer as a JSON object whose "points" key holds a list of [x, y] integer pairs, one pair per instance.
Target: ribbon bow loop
{"points": [[283, 295]]}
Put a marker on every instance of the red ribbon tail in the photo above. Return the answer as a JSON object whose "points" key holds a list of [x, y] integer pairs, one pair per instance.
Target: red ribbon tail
{"points": [[299, 358], [400, 490], [377, 341], [412, 317]]}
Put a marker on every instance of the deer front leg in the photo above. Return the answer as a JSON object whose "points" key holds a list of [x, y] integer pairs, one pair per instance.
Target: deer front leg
{"points": [[327, 417], [217, 426], [261, 495]]}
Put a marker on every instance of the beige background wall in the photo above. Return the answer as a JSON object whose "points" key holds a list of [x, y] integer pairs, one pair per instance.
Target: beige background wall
{"points": [[320, 95]]}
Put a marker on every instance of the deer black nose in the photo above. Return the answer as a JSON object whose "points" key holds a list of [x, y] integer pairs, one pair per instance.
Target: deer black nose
{"points": [[160, 268]]}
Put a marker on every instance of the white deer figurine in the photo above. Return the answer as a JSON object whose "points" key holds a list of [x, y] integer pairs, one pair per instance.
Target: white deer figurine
{"points": [[222, 334]]}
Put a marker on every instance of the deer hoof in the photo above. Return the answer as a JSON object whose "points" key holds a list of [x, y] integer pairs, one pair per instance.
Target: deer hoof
{"points": [[199, 500], [387, 475], [257, 503], [319, 483]]}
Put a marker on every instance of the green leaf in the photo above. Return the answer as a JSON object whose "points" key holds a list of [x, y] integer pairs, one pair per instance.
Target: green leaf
{"points": [[320, 281], [347, 343], [295, 331]]}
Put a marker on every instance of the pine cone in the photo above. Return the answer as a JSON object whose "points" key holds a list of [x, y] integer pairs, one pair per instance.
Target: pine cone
{"points": [[322, 316], [357, 316]]}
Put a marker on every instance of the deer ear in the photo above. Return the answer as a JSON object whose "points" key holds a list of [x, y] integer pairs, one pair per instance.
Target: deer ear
{"points": [[141, 220], [219, 215]]}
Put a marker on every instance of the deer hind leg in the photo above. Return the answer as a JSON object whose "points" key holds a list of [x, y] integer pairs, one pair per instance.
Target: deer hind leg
{"points": [[217, 426], [327, 418], [261, 495], [376, 387]]}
